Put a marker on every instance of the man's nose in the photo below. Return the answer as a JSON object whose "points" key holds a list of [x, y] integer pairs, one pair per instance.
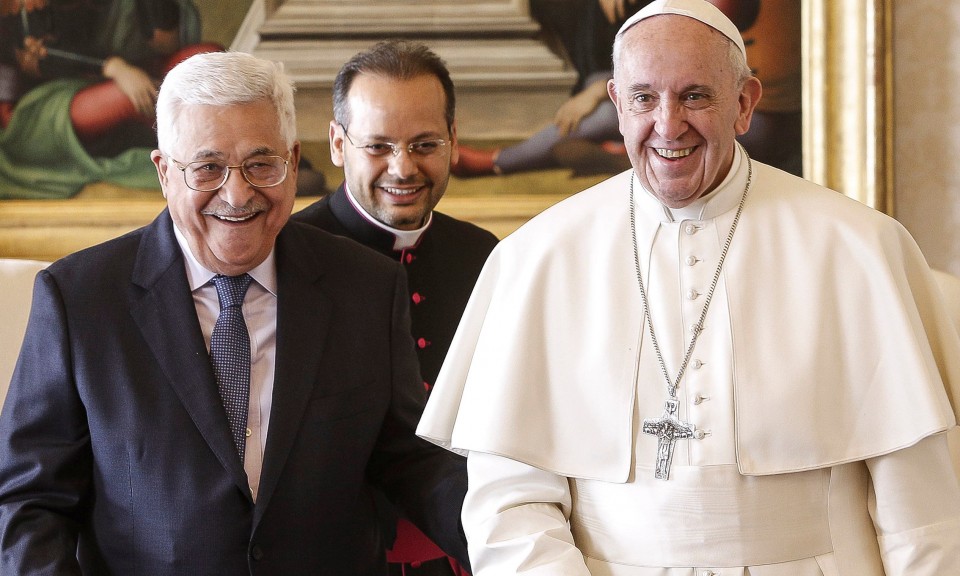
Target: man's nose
{"points": [[671, 120], [403, 164], [236, 191]]}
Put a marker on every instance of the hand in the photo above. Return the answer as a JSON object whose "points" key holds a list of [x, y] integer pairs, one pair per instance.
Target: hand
{"points": [[29, 57], [10, 7], [133, 82], [579, 106]]}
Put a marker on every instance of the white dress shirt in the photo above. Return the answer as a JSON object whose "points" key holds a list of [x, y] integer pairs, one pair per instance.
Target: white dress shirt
{"points": [[260, 314]]}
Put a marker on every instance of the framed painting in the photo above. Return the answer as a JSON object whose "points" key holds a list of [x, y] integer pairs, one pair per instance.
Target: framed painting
{"points": [[847, 139]]}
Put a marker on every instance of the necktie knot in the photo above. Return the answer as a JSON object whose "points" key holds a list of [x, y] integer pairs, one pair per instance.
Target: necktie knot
{"points": [[231, 289]]}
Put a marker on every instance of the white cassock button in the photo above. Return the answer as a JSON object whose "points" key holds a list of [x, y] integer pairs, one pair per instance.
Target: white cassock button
{"points": [[699, 434], [700, 399], [697, 364], [692, 294], [690, 229], [692, 260]]}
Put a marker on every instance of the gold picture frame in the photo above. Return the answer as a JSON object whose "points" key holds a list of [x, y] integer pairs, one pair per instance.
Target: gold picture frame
{"points": [[848, 98], [848, 142]]}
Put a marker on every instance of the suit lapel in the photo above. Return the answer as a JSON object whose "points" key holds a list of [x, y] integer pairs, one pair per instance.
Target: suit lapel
{"points": [[168, 321], [303, 313]]}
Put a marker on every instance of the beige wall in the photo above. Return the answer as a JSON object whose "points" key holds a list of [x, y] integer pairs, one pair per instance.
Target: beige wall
{"points": [[926, 51]]}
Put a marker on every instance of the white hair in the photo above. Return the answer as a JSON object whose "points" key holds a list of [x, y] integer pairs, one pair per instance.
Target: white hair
{"points": [[223, 79]]}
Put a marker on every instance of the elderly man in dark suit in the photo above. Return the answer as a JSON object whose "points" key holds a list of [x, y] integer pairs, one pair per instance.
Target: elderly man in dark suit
{"points": [[155, 426]]}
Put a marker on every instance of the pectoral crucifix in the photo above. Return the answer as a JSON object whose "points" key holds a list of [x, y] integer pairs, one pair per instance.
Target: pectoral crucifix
{"points": [[668, 429]]}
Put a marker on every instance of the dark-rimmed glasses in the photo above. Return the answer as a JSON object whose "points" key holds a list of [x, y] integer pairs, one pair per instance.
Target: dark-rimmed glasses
{"points": [[422, 148], [209, 175]]}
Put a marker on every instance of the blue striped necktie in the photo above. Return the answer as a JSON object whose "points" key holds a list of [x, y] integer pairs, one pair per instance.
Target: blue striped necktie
{"points": [[230, 354]]}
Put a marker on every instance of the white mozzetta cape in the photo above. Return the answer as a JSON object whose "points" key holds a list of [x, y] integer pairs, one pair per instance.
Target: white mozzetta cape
{"points": [[842, 346]]}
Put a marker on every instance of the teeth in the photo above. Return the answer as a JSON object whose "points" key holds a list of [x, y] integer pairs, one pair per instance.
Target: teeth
{"points": [[667, 153], [400, 191], [235, 218]]}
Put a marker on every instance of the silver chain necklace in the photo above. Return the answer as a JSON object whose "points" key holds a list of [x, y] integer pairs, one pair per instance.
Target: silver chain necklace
{"points": [[669, 428]]}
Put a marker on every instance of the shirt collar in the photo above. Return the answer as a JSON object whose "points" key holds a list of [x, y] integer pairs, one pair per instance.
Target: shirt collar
{"points": [[403, 239], [723, 198], [197, 275]]}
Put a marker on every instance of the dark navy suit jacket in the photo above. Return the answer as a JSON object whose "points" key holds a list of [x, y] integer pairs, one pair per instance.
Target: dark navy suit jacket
{"points": [[115, 451]]}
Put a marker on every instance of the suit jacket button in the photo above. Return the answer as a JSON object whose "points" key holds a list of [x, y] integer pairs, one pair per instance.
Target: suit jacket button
{"points": [[256, 553]]}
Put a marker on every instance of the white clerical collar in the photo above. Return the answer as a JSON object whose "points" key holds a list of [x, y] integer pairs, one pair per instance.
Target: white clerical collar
{"points": [[723, 198], [403, 239], [197, 275]]}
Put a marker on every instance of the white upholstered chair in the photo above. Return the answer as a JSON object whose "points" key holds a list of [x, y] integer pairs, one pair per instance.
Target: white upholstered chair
{"points": [[16, 287]]}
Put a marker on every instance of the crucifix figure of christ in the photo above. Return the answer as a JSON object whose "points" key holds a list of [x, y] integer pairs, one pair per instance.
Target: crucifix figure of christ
{"points": [[668, 429]]}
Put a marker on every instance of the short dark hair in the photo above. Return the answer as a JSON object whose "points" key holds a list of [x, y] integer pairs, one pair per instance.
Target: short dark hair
{"points": [[397, 59]]}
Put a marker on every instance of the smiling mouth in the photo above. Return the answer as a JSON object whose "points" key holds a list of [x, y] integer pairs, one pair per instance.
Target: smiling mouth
{"points": [[401, 191], [232, 218], [668, 153]]}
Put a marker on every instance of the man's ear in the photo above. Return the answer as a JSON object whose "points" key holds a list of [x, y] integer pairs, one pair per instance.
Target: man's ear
{"points": [[454, 144], [612, 92], [160, 161], [336, 143], [294, 165], [615, 97], [749, 96]]}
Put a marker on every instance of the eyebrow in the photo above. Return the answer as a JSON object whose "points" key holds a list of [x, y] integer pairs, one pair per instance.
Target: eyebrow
{"points": [[643, 87], [207, 154], [699, 88], [428, 135]]}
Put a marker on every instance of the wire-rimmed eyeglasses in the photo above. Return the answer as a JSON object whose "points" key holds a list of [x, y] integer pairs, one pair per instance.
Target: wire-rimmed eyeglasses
{"points": [[422, 148], [209, 175]]}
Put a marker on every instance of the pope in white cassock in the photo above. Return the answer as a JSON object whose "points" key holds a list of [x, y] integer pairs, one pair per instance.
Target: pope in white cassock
{"points": [[704, 365]]}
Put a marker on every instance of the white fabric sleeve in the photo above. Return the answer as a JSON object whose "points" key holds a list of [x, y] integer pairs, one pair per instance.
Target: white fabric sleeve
{"points": [[915, 505], [515, 518]]}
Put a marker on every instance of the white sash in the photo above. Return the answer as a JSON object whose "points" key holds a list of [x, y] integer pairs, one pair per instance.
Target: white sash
{"points": [[703, 516]]}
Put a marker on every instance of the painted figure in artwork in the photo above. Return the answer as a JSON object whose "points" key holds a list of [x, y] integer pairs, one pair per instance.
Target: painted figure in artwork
{"points": [[78, 82]]}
